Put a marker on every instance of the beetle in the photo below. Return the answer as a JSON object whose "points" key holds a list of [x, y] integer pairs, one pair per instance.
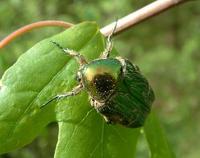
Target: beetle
{"points": [[116, 87]]}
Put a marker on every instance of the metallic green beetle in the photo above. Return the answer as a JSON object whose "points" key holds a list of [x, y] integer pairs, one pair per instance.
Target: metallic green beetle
{"points": [[116, 88]]}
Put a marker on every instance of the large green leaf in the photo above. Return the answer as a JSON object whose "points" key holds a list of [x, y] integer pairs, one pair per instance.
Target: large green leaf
{"points": [[156, 138], [43, 72]]}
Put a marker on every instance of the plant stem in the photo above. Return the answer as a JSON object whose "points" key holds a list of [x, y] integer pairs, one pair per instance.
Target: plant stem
{"points": [[32, 26], [122, 24], [140, 15]]}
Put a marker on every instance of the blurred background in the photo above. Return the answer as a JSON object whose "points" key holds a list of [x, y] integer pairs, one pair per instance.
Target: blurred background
{"points": [[166, 48]]}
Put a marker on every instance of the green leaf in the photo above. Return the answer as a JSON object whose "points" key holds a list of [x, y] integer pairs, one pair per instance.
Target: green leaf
{"points": [[91, 137], [157, 141], [45, 71]]}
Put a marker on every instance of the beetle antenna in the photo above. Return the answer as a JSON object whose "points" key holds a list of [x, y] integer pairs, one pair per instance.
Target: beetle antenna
{"points": [[58, 45], [80, 58]]}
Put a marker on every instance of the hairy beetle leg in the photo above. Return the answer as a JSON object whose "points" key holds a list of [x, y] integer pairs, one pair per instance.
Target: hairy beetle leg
{"points": [[76, 90], [108, 48], [109, 122], [109, 44], [80, 58]]}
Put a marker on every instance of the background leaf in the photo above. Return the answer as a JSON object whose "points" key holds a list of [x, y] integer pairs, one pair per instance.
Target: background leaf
{"points": [[156, 138]]}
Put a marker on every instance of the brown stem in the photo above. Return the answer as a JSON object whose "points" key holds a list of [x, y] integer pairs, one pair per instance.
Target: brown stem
{"points": [[32, 26], [122, 24]]}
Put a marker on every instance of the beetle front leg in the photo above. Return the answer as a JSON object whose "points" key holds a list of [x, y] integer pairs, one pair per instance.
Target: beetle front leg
{"points": [[108, 48], [109, 44], [76, 90]]}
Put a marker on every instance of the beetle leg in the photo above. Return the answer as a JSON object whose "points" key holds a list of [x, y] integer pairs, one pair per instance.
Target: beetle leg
{"points": [[80, 58], [108, 121], [123, 63], [108, 48], [76, 90], [109, 44]]}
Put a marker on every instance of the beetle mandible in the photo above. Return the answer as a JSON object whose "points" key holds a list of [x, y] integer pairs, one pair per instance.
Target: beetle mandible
{"points": [[116, 87]]}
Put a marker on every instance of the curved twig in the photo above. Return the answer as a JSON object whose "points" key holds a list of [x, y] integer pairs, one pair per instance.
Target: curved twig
{"points": [[32, 26]]}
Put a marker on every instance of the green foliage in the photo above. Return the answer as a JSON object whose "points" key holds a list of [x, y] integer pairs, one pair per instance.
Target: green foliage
{"points": [[156, 138], [27, 84], [166, 48], [30, 83]]}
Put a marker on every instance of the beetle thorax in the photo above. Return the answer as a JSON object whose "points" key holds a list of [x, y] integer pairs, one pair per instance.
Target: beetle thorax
{"points": [[100, 78]]}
